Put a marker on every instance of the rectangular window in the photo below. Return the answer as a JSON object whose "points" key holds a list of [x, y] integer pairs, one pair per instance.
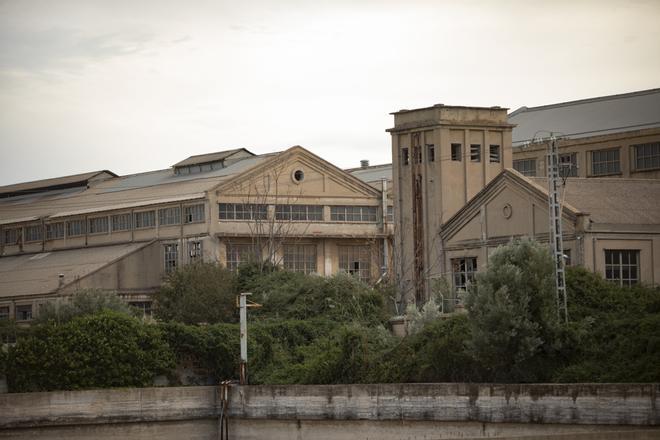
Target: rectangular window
{"points": [[241, 253], [568, 165], [356, 260], [242, 211], [171, 252], [4, 313], [193, 214], [169, 216], [604, 162], [98, 225], [622, 266], [647, 156], [299, 212], [405, 157], [33, 233], [54, 230], [121, 222], [495, 154], [146, 219], [10, 236], [142, 306], [353, 213], [300, 258], [456, 154], [475, 152], [195, 251], [430, 152], [526, 167], [390, 214], [463, 271], [75, 228], [23, 312]]}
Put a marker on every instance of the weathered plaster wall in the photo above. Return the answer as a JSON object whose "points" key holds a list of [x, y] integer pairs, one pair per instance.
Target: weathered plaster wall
{"points": [[388, 411]]}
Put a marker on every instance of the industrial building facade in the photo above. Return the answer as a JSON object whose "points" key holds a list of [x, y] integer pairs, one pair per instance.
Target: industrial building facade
{"points": [[125, 234]]}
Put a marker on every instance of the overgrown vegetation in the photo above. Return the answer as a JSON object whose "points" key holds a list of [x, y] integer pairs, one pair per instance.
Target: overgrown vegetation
{"points": [[333, 330]]}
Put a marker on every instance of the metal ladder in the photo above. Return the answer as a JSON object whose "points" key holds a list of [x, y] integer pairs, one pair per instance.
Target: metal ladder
{"points": [[556, 237]]}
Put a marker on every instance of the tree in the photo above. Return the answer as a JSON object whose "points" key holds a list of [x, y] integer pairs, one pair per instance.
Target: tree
{"points": [[199, 292], [513, 314], [82, 302]]}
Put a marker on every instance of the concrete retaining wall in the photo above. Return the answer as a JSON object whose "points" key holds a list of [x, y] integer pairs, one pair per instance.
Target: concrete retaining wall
{"points": [[388, 411]]}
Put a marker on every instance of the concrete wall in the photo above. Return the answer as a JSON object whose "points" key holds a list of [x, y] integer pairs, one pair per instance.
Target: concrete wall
{"points": [[412, 411]]}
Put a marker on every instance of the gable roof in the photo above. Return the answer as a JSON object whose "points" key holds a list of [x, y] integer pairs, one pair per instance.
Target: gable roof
{"points": [[588, 117], [64, 182], [210, 157], [373, 173], [303, 153]]}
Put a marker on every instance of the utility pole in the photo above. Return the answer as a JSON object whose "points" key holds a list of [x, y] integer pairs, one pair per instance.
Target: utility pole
{"points": [[556, 236], [243, 306]]}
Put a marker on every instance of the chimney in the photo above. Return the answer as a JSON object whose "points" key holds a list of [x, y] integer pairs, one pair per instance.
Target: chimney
{"points": [[364, 163]]}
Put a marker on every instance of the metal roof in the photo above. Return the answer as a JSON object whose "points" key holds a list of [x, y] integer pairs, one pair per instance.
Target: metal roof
{"points": [[38, 274], [54, 183], [374, 173], [209, 157], [588, 117]]}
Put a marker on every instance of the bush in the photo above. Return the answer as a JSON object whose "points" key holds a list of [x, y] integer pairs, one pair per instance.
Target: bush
{"points": [[104, 350], [340, 298], [82, 302], [513, 314], [197, 293]]}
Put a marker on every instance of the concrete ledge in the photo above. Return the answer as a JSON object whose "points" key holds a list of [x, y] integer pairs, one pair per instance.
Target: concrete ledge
{"points": [[564, 404]]}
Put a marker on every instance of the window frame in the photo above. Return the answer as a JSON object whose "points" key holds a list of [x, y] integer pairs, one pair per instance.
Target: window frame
{"points": [[430, 152], [7, 235], [139, 216], [299, 213], [606, 162], [531, 172], [93, 223], [5, 316], [29, 314], [347, 258], [494, 151], [195, 251], [170, 257], [239, 253], [653, 155], [300, 257], [456, 152], [405, 156], [58, 228], [572, 160], [614, 270], [194, 214], [78, 232], [463, 272], [242, 211], [475, 153], [117, 222], [33, 233], [354, 213], [169, 216]]}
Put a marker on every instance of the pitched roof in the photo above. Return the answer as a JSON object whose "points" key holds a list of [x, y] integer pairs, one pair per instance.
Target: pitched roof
{"points": [[613, 200], [63, 182], [372, 173], [209, 157], [588, 117], [38, 274]]}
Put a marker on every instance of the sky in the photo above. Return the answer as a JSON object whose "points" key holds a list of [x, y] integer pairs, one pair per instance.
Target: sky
{"points": [[138, 85]]}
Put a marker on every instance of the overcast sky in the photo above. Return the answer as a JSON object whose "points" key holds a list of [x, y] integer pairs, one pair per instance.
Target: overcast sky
{"points": [[134, 85]]}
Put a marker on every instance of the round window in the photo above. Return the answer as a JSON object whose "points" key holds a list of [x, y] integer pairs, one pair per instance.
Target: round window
{"points": [[298, 176]]}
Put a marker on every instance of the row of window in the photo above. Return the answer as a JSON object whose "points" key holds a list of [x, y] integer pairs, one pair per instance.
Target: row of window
{"points": [[241, 211], [105, 224], [355, 259], [494, 153], [621, 267], [603, 162]]}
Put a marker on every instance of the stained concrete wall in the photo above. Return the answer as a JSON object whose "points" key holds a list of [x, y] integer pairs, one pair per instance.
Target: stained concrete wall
{"points": [[413, 411]]}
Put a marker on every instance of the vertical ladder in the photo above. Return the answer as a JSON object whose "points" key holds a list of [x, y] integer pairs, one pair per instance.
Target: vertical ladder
{"points": [[556, 237]]}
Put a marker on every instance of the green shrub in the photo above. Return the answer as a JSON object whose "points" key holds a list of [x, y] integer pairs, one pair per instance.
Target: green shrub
{"points": [[108, 349], [82, 302], [513, 314], [198, 293]]}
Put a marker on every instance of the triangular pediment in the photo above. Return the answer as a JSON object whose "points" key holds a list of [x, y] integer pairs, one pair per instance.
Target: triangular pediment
{"points": [[296, 174]]}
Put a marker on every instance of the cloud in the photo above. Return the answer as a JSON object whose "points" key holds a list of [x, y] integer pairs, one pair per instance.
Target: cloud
{"points": [[64, 49]]}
